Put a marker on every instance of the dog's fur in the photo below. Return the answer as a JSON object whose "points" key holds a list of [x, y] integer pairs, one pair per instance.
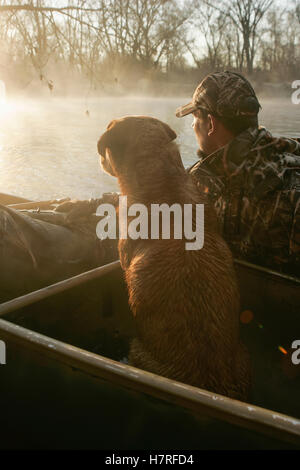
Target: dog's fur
{"points": [[185, 303]]}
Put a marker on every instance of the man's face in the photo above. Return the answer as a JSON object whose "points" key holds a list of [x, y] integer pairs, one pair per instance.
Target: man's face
{"points": [[210, 133], [201, 129]]}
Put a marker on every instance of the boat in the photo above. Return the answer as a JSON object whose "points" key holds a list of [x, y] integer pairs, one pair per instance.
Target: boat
{"points": [[66, 383]]}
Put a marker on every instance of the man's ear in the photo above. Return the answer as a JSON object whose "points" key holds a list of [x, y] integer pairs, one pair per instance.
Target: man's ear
{"points": [[211, 124]]}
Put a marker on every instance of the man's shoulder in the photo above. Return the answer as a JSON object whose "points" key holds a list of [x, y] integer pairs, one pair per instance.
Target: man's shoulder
{"points": [[255, 159], [268, 147], [207, 182]]}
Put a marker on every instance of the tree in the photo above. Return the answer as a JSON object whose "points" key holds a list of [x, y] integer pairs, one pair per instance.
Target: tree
{"points": [[211, 22], [297, 10], [246, 16], [279, 52]]}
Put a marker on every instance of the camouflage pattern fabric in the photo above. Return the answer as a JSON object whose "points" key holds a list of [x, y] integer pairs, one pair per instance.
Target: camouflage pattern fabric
{"points": [[254, 184], [223, 94]]}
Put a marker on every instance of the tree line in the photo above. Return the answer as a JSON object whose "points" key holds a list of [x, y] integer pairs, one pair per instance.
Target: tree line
{"points": [[123, 41]]}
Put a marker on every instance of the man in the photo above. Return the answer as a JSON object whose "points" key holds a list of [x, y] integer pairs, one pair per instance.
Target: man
{"points": [[252, 178]]}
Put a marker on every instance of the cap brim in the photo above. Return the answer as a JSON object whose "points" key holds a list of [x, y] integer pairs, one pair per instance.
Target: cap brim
{"points": [[185, 110]]}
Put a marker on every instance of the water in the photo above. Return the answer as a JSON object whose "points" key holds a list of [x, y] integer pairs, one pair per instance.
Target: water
{"points": [[48, 147]]}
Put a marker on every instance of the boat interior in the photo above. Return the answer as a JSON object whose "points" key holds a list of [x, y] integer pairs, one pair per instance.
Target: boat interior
{"points": [[67, 382]]}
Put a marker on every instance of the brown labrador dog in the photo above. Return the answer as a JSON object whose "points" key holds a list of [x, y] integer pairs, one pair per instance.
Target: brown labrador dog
{"points": [[185, 302]]}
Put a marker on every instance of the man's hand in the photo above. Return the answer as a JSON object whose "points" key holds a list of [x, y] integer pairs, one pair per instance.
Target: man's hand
{"points": [[79, 209]]}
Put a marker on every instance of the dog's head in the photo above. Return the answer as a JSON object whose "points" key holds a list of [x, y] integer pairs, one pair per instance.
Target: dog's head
{"points": [[131, 140]]}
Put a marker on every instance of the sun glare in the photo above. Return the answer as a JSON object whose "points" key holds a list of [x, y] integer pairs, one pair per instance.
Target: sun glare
{"points": [[6, 105], [3, 103], [5, 108]]}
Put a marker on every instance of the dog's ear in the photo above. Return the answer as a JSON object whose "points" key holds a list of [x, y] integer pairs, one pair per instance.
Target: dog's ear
{"points": [[111, 124], [113, 140], [105, 140], [109, 157], [171, 134]]}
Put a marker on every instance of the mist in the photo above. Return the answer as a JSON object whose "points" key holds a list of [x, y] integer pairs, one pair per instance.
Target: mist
{"points": [[66, 72], [157, 48]]}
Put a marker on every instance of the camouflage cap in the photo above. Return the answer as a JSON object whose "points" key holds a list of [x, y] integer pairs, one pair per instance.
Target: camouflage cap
{"points": [[223, 94]]}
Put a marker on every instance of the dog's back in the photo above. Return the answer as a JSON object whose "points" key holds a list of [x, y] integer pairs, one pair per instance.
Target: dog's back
{"points": [[186, 306]]}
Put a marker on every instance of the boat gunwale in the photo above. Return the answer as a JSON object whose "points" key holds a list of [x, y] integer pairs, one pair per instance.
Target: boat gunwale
{"points": [[61, 286], [268, 271], [53, 289]]}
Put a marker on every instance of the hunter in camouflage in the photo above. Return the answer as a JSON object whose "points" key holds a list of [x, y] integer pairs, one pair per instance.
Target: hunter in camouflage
{"points": [[253, 180]]}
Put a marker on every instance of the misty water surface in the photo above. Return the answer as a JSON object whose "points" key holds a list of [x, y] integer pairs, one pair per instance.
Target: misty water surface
{"points": [[48, 147]]}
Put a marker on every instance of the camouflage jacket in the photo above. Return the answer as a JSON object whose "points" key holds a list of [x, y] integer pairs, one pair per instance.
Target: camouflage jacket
{"points": [[254, 184]]}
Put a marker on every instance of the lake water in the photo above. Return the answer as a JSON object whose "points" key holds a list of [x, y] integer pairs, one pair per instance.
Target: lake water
{"points": [[48, 147]]}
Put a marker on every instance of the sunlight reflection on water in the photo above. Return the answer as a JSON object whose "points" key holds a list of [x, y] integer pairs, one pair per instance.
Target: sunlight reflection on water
{"points": [[48, 147]]}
